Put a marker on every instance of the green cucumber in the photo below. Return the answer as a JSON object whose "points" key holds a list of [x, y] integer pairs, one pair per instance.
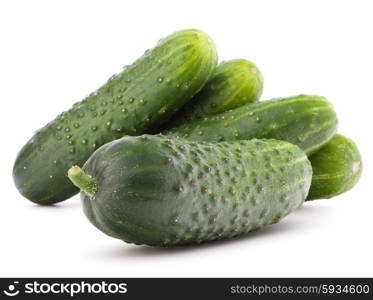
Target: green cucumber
{"points": [[306, 121], [163, 192], [336, 167], [234, 83], [137, 100]]}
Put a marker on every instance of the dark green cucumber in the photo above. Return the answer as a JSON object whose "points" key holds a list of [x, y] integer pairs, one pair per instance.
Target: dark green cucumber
{"points": [[234, 83], [306, 121], [336, 167], [162, 192], [135, 101]]}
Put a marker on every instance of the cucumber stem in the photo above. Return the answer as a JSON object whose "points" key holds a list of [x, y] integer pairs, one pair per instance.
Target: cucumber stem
{"points": [[83, 181]]}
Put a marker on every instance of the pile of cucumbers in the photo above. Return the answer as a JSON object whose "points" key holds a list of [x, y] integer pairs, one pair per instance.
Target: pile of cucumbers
{"points": [[177, 149]]}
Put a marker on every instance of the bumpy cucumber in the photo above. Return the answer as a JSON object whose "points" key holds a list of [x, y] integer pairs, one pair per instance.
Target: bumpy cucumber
{"points": [[162, 192], [306, 121], [336, 167], [234, 83], [135, 101]]}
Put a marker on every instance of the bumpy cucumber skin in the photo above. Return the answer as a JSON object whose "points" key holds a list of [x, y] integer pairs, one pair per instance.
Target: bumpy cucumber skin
{"points": [[234, 83], [304, 120], [136, 100], [337, 168], [163, 192]]}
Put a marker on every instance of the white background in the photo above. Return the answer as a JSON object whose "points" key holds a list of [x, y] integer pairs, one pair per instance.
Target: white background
{"points": [[53, 53]]}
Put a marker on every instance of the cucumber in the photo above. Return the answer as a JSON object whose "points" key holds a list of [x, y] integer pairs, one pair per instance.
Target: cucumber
{"points": [[138, 99], [162, 192], [234, 83], [336, 167], [304, 120]]}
